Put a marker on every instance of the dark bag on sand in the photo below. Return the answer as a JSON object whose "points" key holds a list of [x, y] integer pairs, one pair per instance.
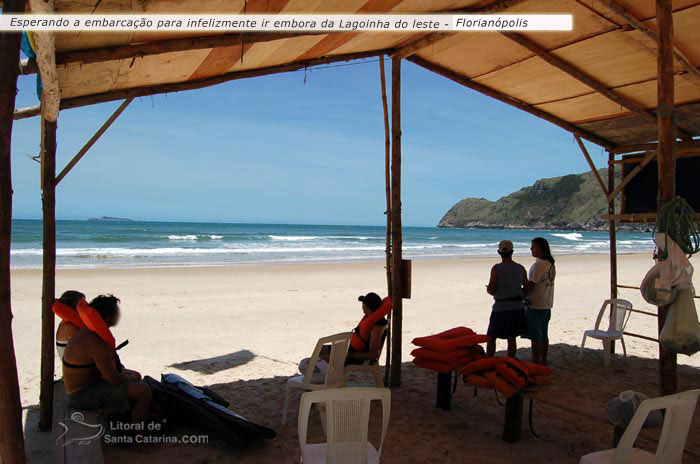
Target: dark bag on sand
{"points": [[181, 402]]}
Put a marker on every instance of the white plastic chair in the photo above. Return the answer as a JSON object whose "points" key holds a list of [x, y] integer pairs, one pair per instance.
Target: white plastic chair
{"points": [[679, 414], [335, 377], [618, 319], [347, 424], [371, 366]]}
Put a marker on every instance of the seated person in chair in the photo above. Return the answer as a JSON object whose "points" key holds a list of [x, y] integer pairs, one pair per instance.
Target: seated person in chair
{"points": [[67, 329], [362, 349], [90, 372], [366, 341]]}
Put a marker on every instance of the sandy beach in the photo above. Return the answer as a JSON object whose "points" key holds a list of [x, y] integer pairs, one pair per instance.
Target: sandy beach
{"points": [[243, 329]]}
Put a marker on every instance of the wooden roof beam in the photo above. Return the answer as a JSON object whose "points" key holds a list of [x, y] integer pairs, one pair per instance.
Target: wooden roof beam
{"points": [[113, 95], [460, 79], [122, 52], [584, 78], [622, 149], [633, 21], [46, 61], [434, 37]]}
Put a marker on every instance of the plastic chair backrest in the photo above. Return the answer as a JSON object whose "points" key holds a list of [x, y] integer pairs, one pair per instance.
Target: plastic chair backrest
{"points": [[335, 377], [347, 421], [680, 409], [618, 314], [385, 332]]}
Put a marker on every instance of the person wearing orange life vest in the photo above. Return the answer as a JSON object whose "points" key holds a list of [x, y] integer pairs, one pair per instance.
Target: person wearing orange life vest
{"points": [[366, 340], [90, 371], [368, 336], [66, 328]]}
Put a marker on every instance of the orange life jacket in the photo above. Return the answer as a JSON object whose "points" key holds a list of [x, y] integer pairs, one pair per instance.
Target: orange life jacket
{"points": [[67, 314], [360, 336], [94, 322]]}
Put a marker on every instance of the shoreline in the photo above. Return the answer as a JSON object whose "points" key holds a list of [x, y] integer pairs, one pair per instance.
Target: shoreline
{"points": [[319, 262]]}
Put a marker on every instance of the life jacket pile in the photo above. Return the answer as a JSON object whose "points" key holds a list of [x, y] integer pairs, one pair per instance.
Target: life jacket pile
{"points": [[507, 375], [448, 350]]}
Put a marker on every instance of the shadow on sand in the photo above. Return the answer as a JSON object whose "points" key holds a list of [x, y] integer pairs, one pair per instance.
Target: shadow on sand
{"points": [[217, 363], [469, 433]]}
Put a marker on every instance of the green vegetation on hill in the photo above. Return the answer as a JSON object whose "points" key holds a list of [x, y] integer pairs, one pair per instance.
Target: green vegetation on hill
{"points": [[572, 202]]}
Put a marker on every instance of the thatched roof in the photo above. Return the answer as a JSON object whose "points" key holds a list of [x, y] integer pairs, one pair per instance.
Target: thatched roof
{"points": [[599, 79]]}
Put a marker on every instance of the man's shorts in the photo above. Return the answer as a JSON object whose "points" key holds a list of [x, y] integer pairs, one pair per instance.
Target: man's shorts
{"points": [[101, 396], [538, 324]]}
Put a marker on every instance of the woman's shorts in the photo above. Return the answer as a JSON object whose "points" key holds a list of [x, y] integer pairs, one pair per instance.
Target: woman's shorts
{"points": [[538, 324], [101, 396]]}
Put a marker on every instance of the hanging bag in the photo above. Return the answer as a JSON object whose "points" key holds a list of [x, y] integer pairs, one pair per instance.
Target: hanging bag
{"points": [[681, 332]]}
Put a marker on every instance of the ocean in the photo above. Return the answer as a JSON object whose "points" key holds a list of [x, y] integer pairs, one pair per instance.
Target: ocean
{"points": [[89, 244]]}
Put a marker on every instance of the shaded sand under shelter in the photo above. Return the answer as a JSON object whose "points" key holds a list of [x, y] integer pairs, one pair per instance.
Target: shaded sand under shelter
{"points": [[626, 79]]}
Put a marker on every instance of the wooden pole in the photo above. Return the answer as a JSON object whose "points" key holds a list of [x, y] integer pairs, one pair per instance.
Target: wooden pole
{"points": [[387, 186], [11, 432], [387, 172], [48, 289], [589, 160], [666, 159], [396, 231], [93, 139], [612, 229]]}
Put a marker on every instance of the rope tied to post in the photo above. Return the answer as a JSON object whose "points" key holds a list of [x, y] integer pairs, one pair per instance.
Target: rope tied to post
{"points": [[678, 220]]}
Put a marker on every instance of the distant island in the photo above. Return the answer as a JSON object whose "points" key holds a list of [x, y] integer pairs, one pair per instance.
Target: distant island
{"points": [[110, 219], [572, 202]]}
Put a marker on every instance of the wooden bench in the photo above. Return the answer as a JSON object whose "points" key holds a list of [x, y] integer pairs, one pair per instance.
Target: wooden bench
{"points": [[76, 435], [513, 420]]}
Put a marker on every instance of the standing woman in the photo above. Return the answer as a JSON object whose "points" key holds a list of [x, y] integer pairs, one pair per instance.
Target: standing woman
{"points": [[508, 285], [540, 299]]}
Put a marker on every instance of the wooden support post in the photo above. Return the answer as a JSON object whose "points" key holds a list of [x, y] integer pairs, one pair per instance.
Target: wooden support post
{"points": [[48, 289], [513, 422], [589, 160], [396, 235], [666, 159], [11, 431], [93, 139], [443, 398], [612, 229], [387, 186]]}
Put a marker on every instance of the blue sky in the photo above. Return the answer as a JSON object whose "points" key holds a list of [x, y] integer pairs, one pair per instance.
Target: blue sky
{"points": [[291, 148]]}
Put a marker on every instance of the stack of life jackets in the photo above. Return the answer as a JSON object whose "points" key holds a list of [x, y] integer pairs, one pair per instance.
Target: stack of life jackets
{"points": [[507, 375], [448, 350]]}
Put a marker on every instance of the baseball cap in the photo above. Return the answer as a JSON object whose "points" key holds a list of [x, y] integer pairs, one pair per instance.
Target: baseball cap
{"points": [[372, 300], [505, 246]]}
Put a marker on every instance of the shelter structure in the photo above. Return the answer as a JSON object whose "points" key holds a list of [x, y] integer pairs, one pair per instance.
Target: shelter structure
{"points": [[626, 79]]}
